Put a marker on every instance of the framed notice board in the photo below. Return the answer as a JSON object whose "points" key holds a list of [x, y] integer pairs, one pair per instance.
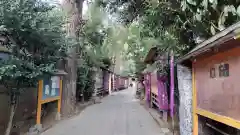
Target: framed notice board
{"points": [[49, 90]]}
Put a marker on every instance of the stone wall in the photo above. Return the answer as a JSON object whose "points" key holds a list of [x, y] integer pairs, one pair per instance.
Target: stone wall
{"points": [[185, 96]]}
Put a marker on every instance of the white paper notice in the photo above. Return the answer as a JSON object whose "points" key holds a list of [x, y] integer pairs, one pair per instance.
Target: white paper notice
{"points": [[54, 85], [53, 93], [55, 82], [47, 90]]}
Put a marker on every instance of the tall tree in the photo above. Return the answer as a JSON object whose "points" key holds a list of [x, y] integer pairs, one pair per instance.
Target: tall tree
{"points": [[91, 53], [73, 9], [32, 35]]}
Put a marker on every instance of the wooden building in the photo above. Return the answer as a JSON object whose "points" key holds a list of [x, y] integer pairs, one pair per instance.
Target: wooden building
{"points": [[103, 81], [214, 67], [120, 82], [157, 91], [108, 81]]}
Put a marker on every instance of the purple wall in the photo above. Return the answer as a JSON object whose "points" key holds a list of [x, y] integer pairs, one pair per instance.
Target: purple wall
{"points": [[162, 94]]}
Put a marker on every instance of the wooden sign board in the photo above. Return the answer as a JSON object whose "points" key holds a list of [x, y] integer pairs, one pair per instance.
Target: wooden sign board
{"points": [[49, 90]]}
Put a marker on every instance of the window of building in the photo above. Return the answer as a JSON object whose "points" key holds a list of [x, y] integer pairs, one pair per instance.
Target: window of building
{"points": [[212, 73], [224, 70]]}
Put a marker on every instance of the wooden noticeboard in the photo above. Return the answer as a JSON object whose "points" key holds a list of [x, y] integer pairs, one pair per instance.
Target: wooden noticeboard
{"points": [[49, 90]]}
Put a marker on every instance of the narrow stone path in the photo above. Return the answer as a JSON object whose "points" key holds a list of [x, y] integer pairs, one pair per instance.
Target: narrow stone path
{"points": [[118, 114]]}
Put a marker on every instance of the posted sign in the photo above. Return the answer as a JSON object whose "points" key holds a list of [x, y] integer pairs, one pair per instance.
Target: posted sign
{"points": [[51, 87], [49, 90]]}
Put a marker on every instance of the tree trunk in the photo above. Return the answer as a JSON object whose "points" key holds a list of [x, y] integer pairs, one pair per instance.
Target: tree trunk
{"points": [[74, 11], [10, 121]]}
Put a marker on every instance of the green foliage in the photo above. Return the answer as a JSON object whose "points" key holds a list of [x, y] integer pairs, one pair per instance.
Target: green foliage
{"points": [[170, 25], [191, 19], [153, 23], [93, 36], [211, 16], [33, 34], [18, 73], [93, 53], [127, 10], [85, 80]]}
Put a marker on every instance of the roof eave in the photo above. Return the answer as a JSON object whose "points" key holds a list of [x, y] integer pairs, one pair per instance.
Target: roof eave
{"points": [[218, 39], [149, 57]]}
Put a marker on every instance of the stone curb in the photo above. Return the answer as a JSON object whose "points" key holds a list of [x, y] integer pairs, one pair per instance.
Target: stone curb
{"points": [[165, 129], [156, 118]]}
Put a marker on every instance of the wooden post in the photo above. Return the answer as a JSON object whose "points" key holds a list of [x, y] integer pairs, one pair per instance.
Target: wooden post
{"points": [[110, 84], [194, 103], [113, 82], [60, 98], [39, 106], [58, 116], [172, 85], [150, 90]]}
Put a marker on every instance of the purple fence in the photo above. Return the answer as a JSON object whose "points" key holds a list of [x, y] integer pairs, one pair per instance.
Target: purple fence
{"points": [[147, 79], [162, 94]]}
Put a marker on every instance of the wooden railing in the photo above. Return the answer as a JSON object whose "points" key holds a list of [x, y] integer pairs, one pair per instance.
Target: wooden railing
{"points": [[99, 92], [154, 99]]}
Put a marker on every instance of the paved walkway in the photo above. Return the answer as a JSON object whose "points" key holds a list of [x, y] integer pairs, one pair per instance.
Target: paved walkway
{"points": [[118, 114]]}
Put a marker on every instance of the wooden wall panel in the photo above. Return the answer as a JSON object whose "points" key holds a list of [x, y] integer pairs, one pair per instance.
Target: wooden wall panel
{"points": [[154, 87], [219, 95]]}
